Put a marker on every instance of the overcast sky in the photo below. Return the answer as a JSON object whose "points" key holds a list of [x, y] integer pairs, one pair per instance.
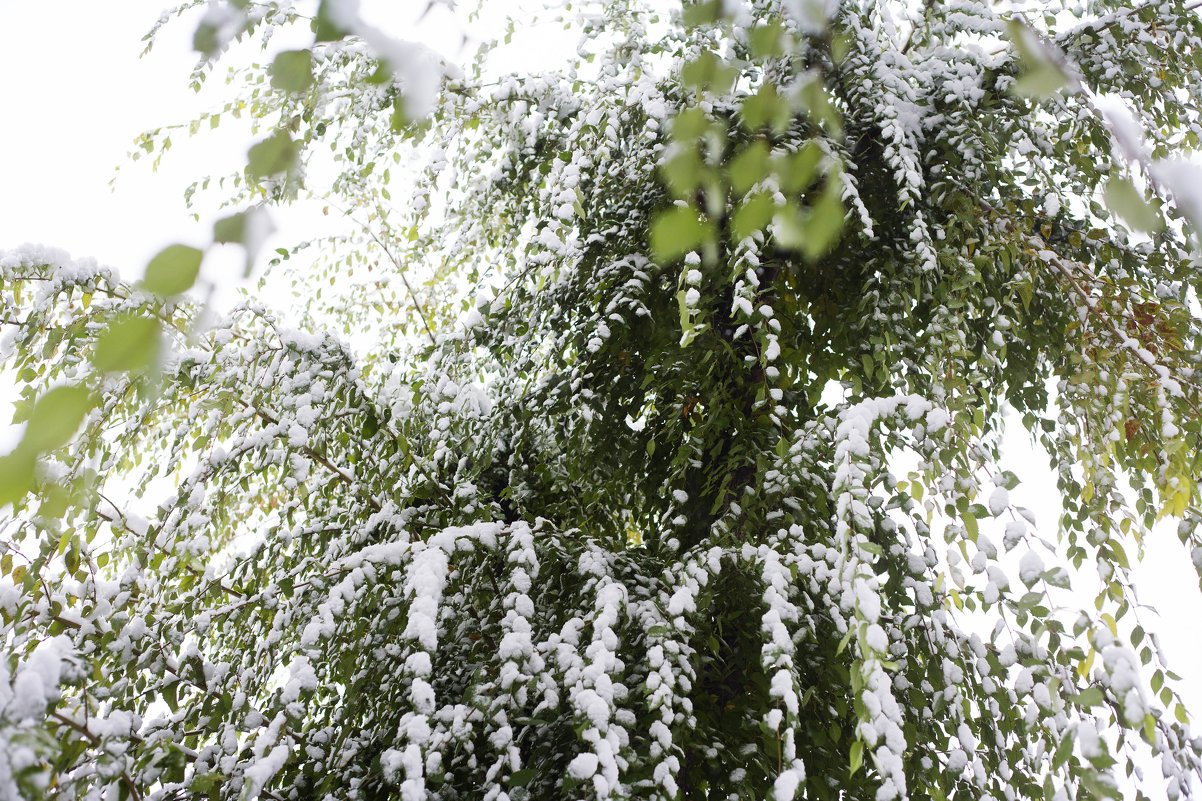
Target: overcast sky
{"points": [[74, 94]]}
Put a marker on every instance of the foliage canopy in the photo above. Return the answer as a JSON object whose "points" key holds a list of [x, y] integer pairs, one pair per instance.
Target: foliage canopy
{"points": [[658, 453]]}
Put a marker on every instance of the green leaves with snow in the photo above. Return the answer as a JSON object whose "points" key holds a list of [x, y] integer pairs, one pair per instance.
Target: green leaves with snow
{"points": [[677, 332]]}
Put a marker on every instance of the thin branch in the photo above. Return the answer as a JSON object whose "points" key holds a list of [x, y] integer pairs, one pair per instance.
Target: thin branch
{"points": [[95, 741], [417, 306], [120, 518], [926, 10], [342, 475], [1123, 339], [408, 287]]}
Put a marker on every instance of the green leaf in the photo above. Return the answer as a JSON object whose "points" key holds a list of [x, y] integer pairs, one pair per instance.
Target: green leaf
{"points": [[691, 124], [705, 71], [1128, 202], [788, 225], [766, 109], [868, 364], [1100, 785], [677, 231], [822, 226], [173, 270], [71, 557], [1063, 751], [797, 170], [749, 167], [56, 418], [1030, 600], [817, 103], [857, 755], [231, 229], [1042, 76], [130, 343], [522, 777], [205, 782], [767, 40], [16, 475], [684, 172], [381, 75], [292, 71], [400, 117], [274, 155], [371, 425], [204, 39], [753, 214], [843, 642], [840, 46], [324, 29], [247, 228], [1040, 81], [1090, 697], [702, 12], [1057, 577]]}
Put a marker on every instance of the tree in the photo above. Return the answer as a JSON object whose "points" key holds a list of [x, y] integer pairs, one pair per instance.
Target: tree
{"points": [[670, 469]]}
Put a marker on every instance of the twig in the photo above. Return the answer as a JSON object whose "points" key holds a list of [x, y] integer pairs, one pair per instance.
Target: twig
{"points": [[314, 455], [94, 741]]}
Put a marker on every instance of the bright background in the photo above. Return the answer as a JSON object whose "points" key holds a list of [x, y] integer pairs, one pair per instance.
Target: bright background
{"points": [[74, 93]]}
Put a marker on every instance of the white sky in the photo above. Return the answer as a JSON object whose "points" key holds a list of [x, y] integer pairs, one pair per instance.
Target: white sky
{"points": [[74, 94]]}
